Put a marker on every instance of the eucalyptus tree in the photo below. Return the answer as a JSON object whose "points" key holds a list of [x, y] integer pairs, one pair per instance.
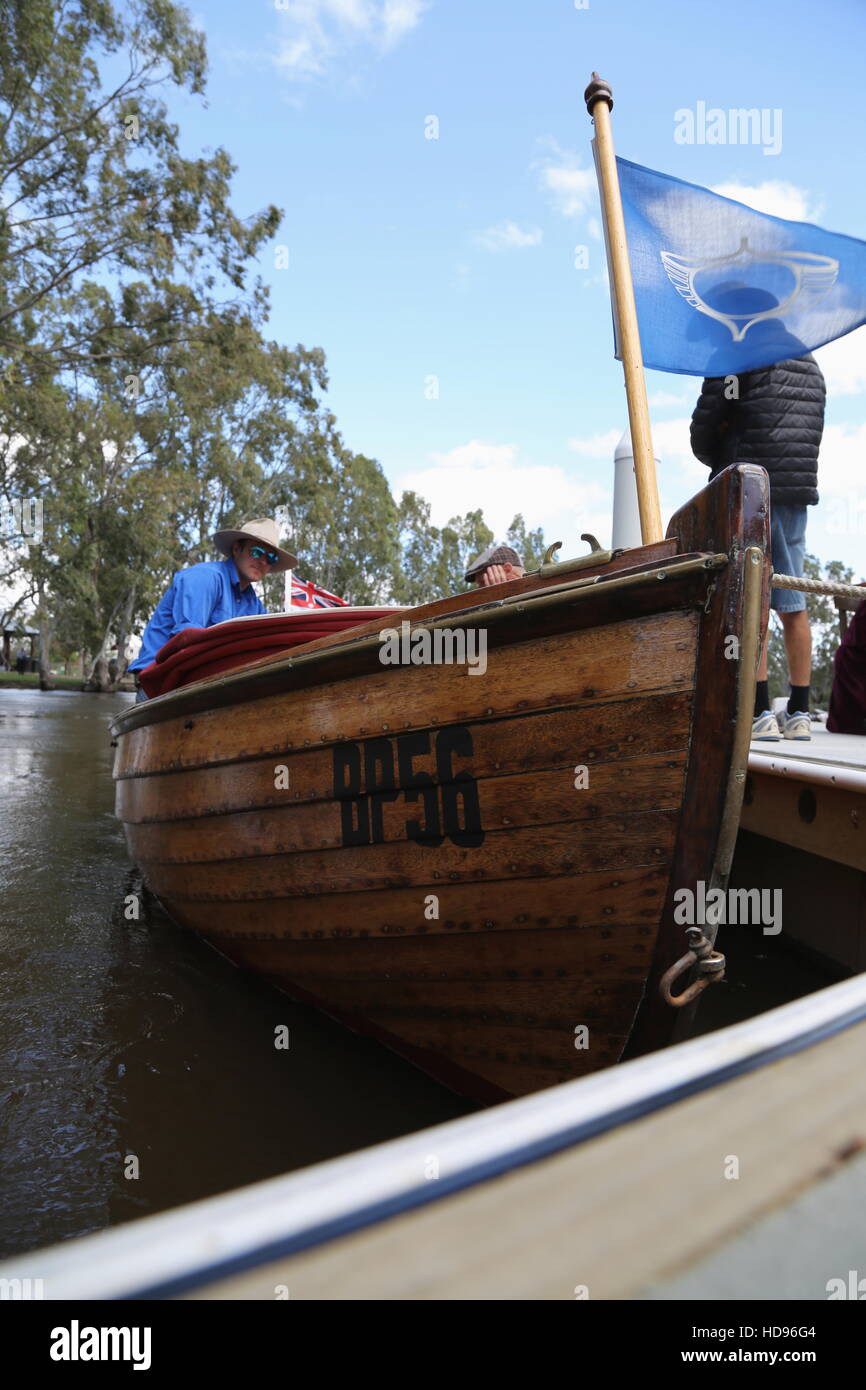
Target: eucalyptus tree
{"points": [[116, 250]]}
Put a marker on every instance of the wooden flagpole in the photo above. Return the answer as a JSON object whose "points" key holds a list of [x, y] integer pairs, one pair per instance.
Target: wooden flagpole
{"points": [[599, 102]]}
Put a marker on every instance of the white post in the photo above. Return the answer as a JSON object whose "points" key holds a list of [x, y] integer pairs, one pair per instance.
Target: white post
{"points": [[626, 512], [287, 592]]}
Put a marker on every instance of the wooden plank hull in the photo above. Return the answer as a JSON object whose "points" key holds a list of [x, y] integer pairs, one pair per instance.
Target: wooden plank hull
{"points": [[475, 868]]}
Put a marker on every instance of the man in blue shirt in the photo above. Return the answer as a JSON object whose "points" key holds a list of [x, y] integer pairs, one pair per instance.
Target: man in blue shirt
{"points": [[216, 590]]}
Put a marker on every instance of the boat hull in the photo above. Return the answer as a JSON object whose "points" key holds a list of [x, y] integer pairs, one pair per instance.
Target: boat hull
{"points": [[476, 868]]}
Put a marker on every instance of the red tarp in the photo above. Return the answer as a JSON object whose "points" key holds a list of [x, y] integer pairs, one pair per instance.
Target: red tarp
{"points": [[205, 651]]}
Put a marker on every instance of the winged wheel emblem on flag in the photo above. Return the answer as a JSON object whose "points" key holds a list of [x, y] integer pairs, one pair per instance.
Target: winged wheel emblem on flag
{"points": [[812, 276]]}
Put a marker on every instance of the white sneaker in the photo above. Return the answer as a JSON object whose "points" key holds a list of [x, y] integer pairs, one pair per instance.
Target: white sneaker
{"points": [[765, 726], [797, 725]]}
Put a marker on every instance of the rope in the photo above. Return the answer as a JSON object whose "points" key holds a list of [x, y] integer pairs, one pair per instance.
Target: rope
{"points": [[817, 586]]}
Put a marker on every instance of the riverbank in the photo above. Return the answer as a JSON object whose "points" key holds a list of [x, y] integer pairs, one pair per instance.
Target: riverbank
{"points": [[11, 680]]}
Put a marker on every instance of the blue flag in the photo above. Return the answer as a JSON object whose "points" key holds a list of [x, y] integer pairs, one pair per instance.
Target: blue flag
{"points": [[722, 289]]}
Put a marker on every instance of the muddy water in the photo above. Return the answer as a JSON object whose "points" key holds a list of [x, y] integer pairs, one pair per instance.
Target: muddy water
{"points": [[130, 1046]]}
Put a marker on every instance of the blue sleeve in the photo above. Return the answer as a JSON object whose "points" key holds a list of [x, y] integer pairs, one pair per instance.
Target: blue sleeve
{"points": [[195, 594]]}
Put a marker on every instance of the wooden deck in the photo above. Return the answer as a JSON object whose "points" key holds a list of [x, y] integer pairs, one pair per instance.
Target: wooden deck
{"points": [[803, 830], [829, 759]]}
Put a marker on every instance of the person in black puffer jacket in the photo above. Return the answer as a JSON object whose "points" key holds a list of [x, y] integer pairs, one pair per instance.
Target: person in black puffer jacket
{"points": [[773, 416]]}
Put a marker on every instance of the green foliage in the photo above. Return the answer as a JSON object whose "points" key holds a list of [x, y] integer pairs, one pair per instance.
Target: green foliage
{"points": [[433, 560], [530, 545], [139, 397], [93, 181], [118, 259], [824, 622]]}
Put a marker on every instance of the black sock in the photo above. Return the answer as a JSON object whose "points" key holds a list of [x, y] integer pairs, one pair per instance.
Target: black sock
{"points": [[762, 697], [798, 701]]}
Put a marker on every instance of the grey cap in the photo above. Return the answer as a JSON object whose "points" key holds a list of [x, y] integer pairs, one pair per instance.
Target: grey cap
{"points": [[494, 555]]}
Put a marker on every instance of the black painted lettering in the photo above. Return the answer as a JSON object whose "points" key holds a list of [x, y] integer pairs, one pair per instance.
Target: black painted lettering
{"points": [[379, 781], [347, 788], [458, 788], [412, 782]]}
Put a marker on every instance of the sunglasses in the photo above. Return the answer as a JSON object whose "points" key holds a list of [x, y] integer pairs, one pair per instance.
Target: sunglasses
{"points": [[257, 552]]}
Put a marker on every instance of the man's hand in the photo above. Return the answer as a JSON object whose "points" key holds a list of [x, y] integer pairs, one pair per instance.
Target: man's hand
{"points": [[496, 574]]}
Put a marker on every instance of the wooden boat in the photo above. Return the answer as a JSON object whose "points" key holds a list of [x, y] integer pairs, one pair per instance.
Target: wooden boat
{"points": [[478, 870]]}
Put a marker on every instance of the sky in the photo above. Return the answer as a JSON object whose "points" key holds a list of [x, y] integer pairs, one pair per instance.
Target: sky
{"points": [[433, 161]]}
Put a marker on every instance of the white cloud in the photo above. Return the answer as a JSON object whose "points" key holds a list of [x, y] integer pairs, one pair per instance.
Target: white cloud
{"points": [[354, 13], [398, 18], [302, 57], [836, 528], [660, 399], [507, 236], [843, 363], [842, 461], [680, 475], [597, 445], [774, 196], [314, 32], [565, 503], [571, 188], [494, 478]]}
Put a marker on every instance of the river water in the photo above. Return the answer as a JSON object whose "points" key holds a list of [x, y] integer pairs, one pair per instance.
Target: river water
{"points": [[130, 1045], [137, 1066]]}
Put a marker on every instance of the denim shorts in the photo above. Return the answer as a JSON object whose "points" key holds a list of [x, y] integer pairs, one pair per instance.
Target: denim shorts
{"points": [[788, 549]]}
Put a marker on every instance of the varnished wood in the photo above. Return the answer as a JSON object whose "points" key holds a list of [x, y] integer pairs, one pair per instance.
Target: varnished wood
{"points": [[589, 734], [628, 332], [740, 509], [619, 659], [597, 901], [524, 852], [478, 953], [577, 954], [538, 798]]}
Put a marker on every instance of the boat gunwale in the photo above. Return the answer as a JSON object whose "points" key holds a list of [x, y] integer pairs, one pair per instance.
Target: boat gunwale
{"points": [[174, 704], [171, 1253], [837, 776]]}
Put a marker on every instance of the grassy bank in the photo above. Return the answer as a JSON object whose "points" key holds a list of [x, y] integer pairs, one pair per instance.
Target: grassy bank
{"points": [[10, 680]]}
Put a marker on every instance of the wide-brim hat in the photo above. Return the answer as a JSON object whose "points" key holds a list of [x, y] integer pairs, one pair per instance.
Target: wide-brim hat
{"points": [[266, 533]]}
